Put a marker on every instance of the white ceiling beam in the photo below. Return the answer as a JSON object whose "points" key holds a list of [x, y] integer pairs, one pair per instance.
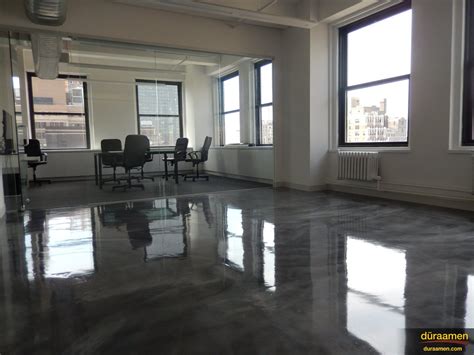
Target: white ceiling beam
{"points": [[222, 11]]}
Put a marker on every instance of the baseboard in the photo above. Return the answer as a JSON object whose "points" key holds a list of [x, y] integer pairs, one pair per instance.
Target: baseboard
{"points": [[240, 177], [301, 187], [462, 201]]}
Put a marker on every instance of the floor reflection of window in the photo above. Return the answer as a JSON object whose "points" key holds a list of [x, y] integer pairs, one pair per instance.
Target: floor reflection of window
{"points": [[376, 283], [235, 247], [269, 255], [67, 247], [168, 238], [469, 320]]}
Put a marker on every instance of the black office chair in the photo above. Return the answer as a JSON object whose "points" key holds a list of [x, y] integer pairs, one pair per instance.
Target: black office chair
{"points": [[134, 155], [197, 158], [112, 160], [180, 153], [148, 159], [33, 149]]}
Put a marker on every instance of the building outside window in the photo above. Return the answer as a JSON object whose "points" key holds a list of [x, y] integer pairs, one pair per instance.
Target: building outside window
{"points": [[159, 108], [59, 115], [374, 79], [229, 92], [468, 99], [264, 102]]}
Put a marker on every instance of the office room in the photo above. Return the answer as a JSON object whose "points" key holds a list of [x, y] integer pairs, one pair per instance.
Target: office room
{"points": [[236, 176]]}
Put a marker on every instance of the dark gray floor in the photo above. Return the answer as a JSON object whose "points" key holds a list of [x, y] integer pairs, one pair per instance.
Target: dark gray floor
{"points": [[81, 193], [259, 271]]}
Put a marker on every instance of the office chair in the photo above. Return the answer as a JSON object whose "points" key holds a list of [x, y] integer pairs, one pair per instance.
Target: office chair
{"points": [[134, 156], [180, 152], [33, 149], [148, 159], [111, 161], [197, 158]]}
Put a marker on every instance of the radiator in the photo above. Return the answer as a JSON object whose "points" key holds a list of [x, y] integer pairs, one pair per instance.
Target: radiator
{"points": [[363, 166]]}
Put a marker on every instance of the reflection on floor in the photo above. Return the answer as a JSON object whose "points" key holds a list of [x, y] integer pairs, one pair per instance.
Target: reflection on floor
{"points": [[82, 193], [257, 271]]}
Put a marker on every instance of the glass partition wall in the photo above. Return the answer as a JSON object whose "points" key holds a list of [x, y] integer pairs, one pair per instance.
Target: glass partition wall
{"points": [[102, 90], [10, 185]]}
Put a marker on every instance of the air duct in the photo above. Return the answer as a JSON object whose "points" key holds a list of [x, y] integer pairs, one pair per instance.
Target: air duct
{"points": [[46, 54], [46, 12]]}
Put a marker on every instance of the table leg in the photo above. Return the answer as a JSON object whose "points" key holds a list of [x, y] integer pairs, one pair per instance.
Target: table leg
{"points": [[176, 179], [95, 170], [166, 166], [100, 171]]}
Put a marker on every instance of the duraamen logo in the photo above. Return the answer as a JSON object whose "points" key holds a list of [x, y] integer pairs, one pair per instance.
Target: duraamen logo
{"points": [[448, 338]]}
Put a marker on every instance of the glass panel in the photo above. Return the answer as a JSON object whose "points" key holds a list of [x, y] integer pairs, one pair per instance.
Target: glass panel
{"points": [[60, 95], [266, 125], [61, 131], [378, 113], [161, 131], [380, 50], [232, 128], [158, 99], [266, 84], [231, 94]]}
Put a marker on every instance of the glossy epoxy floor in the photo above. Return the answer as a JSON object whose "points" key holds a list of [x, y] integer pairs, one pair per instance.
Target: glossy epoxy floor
{"points": [[257, 271]]}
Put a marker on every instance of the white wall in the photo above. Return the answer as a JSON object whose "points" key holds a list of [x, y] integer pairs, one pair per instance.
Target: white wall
{"points": [[427, 167], [253, 163], [199, 105], [319, 105], [294, 139]]}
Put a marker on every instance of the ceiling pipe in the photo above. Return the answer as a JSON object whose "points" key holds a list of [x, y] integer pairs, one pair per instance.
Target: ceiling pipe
{"points": [[46, 12]]}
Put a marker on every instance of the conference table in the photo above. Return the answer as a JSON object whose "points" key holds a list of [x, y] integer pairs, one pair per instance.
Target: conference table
{"points": [[98, 161]]}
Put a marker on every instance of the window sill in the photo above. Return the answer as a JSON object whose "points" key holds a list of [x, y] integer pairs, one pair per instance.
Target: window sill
{"points": [[462, 150], [244, 147], [373, 149]]}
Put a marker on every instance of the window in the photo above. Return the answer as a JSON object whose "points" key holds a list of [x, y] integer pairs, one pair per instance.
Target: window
{"points": [[468, 100], [229, 92], [159, 111], [264, 102], [56, 121], [374, 74]]}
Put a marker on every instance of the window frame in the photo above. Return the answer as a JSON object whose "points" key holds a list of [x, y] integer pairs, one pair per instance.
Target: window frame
{"points": [[31, 108], [343, 88], [258, 105], [179, 85], [467, 138], [222, 113]]}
